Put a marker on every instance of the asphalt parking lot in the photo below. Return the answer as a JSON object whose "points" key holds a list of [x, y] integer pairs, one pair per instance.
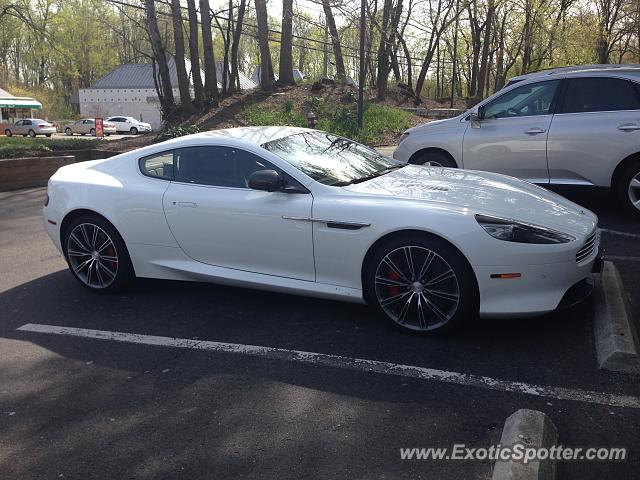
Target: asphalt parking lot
{"points": [[78, 407]]}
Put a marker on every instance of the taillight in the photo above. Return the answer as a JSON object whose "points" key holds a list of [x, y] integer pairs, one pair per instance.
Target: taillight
{"points": [[42, 125]]}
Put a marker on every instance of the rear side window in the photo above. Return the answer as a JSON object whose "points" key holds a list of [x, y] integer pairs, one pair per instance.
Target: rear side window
{"points": [[159, 165], [600, 95]]}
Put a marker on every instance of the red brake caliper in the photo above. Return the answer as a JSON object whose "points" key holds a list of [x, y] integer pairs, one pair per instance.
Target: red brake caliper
{"points": [[392, 275], [111, 253]]}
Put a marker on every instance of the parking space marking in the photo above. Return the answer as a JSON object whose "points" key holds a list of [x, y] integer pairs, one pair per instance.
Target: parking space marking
{"points": [[348, 363], [621, 234], [622, 258]]}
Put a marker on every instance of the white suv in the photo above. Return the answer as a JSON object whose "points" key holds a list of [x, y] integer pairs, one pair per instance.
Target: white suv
{"points": [[577, 126], [129, 125]]}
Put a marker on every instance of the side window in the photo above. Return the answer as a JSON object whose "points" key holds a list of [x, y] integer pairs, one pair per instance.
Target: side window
{"points": [[19, 123], [218, 166], [26, 122], [159, 165], [523, 101], [600, 94]]}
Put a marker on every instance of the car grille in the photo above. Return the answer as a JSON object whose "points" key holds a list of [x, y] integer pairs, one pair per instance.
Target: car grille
{"points": [[589, 248]]}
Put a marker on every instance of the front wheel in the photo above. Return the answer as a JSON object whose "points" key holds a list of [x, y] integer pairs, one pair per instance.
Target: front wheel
{"points": [[68, 132], [96, 254], [8, 133], [134, 131], [32, 134], [92, 132], [422, 284], [627, 188], [434, 159]]}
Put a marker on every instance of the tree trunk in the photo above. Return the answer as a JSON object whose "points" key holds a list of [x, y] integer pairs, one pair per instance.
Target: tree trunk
{"points": [[286, 47], [210, 76], [235, 70], [266, 68], [165, 92], [383, 52], [484, 62], [183, 78], [194, 54], [335, 40]]}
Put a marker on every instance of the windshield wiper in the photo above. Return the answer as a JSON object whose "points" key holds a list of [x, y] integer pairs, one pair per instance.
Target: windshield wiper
{"points": [[375, 174]]}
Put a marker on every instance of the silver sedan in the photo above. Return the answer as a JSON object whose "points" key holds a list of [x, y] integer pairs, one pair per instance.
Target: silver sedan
{"points": [[31, 127], [88, 126]]}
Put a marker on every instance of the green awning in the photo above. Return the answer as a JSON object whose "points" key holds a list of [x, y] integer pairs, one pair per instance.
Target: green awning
{"points": [[18, 102]]}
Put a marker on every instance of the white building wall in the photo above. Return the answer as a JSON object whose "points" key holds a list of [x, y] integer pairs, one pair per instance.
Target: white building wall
{"points": [[139, 103]]}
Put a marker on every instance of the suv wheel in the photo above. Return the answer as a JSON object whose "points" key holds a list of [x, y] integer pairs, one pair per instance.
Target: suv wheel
{"points": [[627, 187], [434, 159]]}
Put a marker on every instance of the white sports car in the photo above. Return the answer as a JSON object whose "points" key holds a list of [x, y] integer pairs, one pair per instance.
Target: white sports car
{"points": [[308, 212]]}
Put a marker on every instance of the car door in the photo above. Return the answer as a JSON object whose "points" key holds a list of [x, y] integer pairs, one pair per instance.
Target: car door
{"points": [[18, 129], [596, 126], [25, 127], [216, 219], [511, 138]]}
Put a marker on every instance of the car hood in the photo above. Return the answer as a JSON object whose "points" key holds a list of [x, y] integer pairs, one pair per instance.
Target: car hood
{"points": [[482, 192]]}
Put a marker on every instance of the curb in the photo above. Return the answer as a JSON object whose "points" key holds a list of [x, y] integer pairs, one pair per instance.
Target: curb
{"points": [[615, 335], [533, 429]]}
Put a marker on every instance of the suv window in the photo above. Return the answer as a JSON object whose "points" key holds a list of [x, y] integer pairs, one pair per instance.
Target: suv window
{"points": [[218, 166], [159, 165], [600, 94], [523, 101], [26, 122]]}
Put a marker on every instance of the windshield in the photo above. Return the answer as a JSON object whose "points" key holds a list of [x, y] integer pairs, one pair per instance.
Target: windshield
{"points": [[330, 159]]}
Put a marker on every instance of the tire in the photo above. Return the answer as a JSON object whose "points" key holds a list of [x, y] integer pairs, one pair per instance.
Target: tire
{"points": [[8, 133], [32, 134], [92, 132], [96, 254], [48, 135], [68, 132], [627, 188], [435, 159], [387, 276], [133, 131]]}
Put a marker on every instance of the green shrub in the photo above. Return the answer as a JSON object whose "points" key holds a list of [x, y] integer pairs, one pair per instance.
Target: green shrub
{"points": [[259, 114], [14, 147], [287, 107], [177, 131]]}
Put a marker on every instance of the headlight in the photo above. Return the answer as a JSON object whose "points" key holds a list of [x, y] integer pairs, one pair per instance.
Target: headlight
{"points": [[518, 232]]}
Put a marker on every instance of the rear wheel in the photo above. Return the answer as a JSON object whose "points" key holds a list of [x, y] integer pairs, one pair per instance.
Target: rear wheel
{"points": [[627, 188], [96, 254], [434, 159], [7, 132], [32, 134], [134, 131], [48, 135], [92, 132], [68, 132], [421, 283]]}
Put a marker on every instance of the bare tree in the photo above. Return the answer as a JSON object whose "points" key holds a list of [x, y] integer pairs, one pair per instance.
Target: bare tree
{"points": [[335, 41], [235, 74], [266, 68], [183, 78], [210, 76], [194, 54], [286, 47], [165, 90]]}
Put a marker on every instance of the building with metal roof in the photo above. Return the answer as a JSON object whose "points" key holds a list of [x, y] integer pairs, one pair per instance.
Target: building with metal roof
{"points": [[130, 90]]}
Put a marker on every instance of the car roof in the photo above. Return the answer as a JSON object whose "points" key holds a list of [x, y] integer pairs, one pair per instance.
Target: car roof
{"points": [[252, 135], [631, 69]]}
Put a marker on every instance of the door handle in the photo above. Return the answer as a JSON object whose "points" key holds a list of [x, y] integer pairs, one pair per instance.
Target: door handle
{"points": [[629, 127], [534, 131], [186, 204]]}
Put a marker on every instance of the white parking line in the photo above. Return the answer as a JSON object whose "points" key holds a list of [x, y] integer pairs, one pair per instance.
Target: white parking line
{"points": [[621, 234], [338, 361]]}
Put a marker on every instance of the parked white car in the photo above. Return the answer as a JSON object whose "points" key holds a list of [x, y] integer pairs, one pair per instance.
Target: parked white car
{"points": [[577, 126], [86, 126], [130, 125], [307, 212], [30, 127]]}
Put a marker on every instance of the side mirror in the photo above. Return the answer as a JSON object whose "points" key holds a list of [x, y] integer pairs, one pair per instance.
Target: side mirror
{"points": [[267, 180], [476, 118]]}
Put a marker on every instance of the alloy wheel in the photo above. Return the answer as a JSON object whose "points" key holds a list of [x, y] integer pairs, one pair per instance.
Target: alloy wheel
{"points": [[92, 255], [634, 191], [417, 288]]}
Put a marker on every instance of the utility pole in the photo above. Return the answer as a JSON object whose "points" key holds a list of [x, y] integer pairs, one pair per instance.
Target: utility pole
{"points": [[362, 74], [455, 54]]}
